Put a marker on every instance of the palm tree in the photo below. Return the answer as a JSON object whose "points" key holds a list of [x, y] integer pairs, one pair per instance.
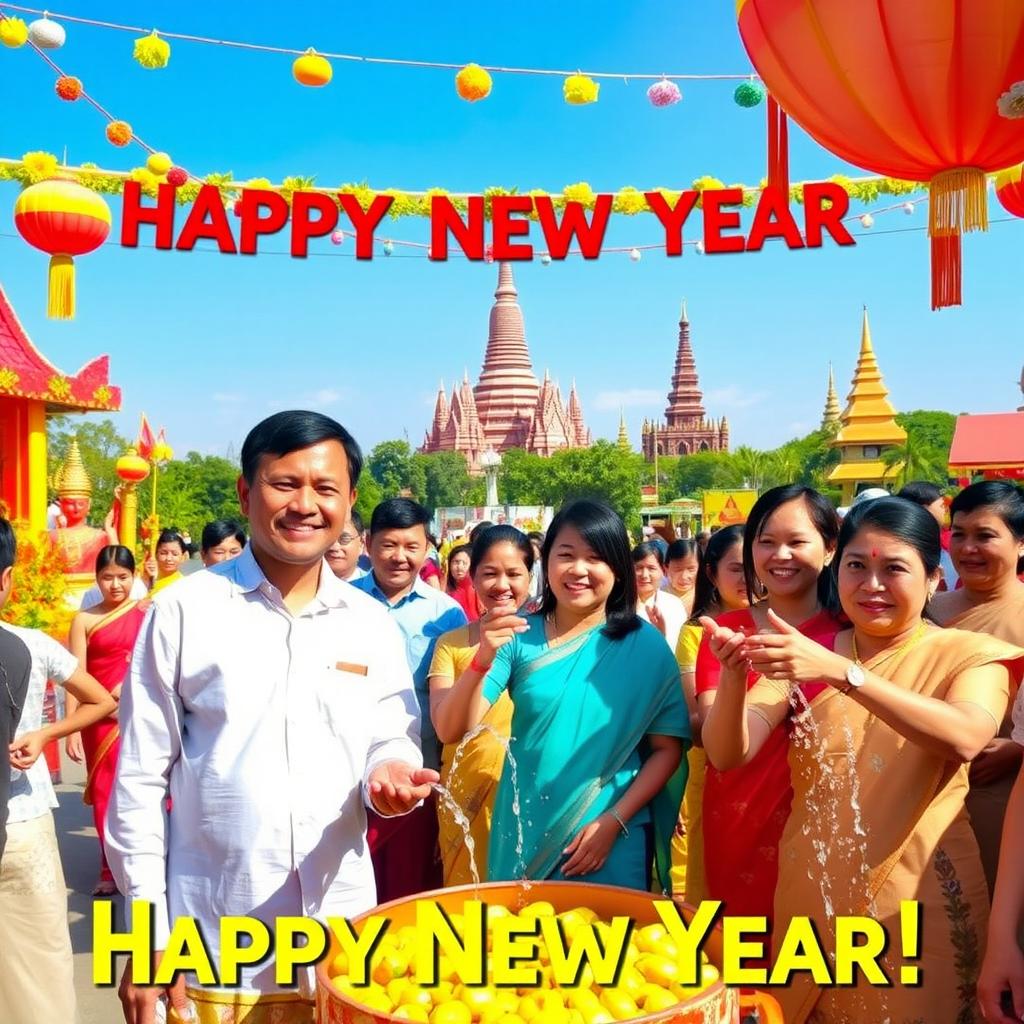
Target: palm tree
{"points": [[916, 460]]}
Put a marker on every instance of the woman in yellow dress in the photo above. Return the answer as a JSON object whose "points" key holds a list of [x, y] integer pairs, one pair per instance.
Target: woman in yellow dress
{"points": [[501, 559], [879, 761], [721, 587], [987, 548], [164, 566]]}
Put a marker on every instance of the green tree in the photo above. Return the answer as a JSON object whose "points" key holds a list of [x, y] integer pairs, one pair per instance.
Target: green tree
{"points": [[100, 445], [368, 498], [918, 460], [523, 478], [193, 491], [705, 471], [603, 471], [446, 478], [392, 465], [931, 428]]}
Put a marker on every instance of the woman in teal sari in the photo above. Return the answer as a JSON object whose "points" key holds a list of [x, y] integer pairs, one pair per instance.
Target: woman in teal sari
{"points": [[600, 723]]}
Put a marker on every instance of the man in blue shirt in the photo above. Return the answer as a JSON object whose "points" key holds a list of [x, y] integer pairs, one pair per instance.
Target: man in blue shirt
{"points": [[398, 547]]}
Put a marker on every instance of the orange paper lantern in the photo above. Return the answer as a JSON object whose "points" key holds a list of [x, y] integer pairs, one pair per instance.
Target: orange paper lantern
{"points": [[64, 219], [1010, 190], [908, 90], [311, 69]]}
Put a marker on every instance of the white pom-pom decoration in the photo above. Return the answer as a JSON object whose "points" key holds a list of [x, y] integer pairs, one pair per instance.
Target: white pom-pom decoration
{"points": [[545, 260], [699, 247], [634, 255], [908, 208], [866, 220], [46, 34]]}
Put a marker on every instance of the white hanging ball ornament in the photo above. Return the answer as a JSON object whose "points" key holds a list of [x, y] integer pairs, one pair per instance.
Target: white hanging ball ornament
{"points": [[634, 255], [866, 220], [908, 208], [699, 248], [545, 260], [389, 247], [46, 34]]}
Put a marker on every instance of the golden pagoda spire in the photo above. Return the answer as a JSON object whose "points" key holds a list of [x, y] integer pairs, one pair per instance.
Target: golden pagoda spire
{"points": [[623, 441], [832, 410], [71, 479], [868, 426]]}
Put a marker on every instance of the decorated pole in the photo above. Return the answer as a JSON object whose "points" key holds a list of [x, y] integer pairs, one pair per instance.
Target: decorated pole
{"points": [[132, 469], [162, 454]]}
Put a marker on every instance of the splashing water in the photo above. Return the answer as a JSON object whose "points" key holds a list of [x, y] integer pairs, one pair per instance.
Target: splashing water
{"points": [[446, 798]]}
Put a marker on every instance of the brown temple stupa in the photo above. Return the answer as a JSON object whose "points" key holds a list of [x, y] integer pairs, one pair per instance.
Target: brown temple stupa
{"points": [[507, 408], [687, 428]]}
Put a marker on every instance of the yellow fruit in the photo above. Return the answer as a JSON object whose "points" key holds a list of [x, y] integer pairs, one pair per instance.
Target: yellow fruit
{"points": [[586, 913], [507, 1000], [579, 998], [407, 936], [631, 981], [659, 999], [338, 965], [477, 998], [414, 996], [493, 1013], [619, 1004], [375, 998], [708, 975], [396, 989], [659, 970], [410, 1011], [648, 937], [511, 1018], [575, 1017], [451, 1013], [446, 969], [444, 992], [528, 1008]]}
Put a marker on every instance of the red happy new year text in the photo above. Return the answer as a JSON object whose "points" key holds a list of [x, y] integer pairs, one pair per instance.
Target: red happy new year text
{"points": [[312, 215]]}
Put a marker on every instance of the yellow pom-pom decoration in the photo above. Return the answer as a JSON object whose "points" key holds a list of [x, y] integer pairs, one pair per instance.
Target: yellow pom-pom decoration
{"points": [[312, 69], [580, 89], [159, 164], [152, 52], [473, 83], [13, 32], [40, 165], [119, 133]]}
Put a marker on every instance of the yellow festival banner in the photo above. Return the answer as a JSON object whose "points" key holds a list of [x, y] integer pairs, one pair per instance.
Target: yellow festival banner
{"points": [[726, 508]]}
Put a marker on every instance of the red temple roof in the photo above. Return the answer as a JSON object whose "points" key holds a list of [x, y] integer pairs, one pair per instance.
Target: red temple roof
{"points": [[26, 373], [991, 440]]}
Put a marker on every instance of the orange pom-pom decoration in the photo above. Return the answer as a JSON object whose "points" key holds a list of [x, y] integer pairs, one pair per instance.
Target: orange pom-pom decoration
{"points": [[473, 83], [119, 133], [312, 69], [68, 87], [177, 176]]}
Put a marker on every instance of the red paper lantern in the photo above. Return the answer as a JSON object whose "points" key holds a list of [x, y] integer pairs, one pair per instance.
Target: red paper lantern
{"points": [[64, 219], [908, 90], [1010, 190]]}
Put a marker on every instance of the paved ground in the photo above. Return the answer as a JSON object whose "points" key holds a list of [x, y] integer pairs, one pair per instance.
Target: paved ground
{"points": [[80, 853]]}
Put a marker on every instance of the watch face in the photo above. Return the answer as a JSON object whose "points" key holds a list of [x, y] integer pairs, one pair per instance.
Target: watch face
{"points": [[855, 675]]}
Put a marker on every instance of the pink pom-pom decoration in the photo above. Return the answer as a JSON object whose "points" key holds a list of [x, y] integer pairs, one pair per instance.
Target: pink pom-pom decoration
{"points": [[664, 93], [177, 176], [488, 253], [337, 237]]}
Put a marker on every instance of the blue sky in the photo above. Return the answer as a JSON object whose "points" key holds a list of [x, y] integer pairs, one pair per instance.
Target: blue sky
{"points": [[208, 344]]}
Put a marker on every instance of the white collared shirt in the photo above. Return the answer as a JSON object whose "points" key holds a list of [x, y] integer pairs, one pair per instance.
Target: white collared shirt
{"points": [[263, 727]]}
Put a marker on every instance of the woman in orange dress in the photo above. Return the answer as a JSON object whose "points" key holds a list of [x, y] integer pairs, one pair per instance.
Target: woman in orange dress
{"points": [[788, 543], [102, 638]]}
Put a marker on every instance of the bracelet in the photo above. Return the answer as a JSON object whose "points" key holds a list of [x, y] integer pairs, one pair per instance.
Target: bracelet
{"points": [[478, 668], [621, 823]]}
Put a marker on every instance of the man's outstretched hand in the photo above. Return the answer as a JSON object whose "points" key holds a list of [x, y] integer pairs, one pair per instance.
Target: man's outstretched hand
{"points": [[396, 787]]}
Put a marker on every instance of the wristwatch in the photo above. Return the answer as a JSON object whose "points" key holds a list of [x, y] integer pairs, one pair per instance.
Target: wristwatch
{"points": [[855, 678]]}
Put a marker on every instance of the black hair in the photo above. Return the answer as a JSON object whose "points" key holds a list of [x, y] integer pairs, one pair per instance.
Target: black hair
{"points": [[605, 533], [1004, 498], [172, 537], [684, 547], [459, 549], [286, 432], [115, 554], [8, 545], [905, 520], [357, 522], [645, 550], [920, 492], [479, 528], [537, 535], [219, 531], [824, 519], [399, 514], [484, 540], [705, 593]]}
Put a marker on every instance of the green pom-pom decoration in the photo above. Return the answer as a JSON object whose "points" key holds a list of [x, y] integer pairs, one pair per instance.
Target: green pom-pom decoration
{"points": [[749, 94]]}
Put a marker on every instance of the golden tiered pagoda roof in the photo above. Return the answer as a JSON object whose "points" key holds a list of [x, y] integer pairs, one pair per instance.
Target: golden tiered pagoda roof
{"points": [[869, 417]]}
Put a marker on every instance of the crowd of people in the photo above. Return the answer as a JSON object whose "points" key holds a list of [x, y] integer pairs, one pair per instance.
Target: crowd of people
{"points": [[812, 714]]}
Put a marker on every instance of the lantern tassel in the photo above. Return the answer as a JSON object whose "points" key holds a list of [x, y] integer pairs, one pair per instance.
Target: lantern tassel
{"points": [[957, 201], [61, 302], [778, 147], [947, 277]]}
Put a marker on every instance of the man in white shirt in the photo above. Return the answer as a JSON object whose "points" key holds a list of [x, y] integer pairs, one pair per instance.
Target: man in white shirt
{"points": [[274, 703]]}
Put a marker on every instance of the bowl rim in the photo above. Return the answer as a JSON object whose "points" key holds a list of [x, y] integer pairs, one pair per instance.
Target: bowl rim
{"points": [[323, 979]]}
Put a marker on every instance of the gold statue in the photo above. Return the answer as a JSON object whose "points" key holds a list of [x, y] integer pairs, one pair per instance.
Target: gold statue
{"points": [[78, 542]]}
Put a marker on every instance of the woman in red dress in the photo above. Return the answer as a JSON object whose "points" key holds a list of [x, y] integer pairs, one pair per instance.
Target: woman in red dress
{"points": [[102, 638], [788, 543]]}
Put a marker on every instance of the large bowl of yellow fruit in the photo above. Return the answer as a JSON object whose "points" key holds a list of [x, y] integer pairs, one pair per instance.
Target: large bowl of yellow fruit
{"points": [[648, 986]]}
